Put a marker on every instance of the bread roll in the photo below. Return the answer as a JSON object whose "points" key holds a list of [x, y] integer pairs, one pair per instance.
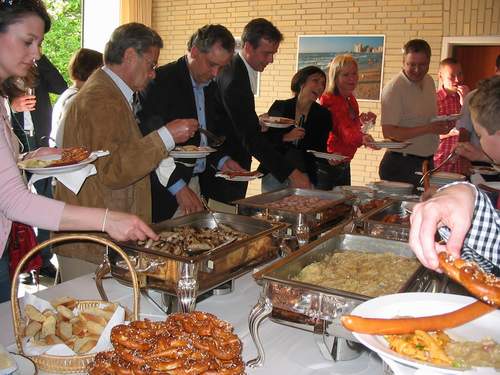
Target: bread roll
{"points": [[32, 328], [33, 313]]}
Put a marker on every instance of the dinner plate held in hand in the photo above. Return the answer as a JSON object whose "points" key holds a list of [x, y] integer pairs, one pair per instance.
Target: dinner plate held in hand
{"points": [[236, 178], [453, 117], [59, 169], [201, 153], [327, 156], [390, 145], [487, 171], [425, 304], [278, 122]]}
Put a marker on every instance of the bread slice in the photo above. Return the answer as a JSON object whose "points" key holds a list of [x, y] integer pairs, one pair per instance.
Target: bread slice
{"points": [[53, 340], [64, 330], [66, 313], [88, 317], [32, 328], [94, 328], [33, 313], [69, 302], [49, 326], [79, 328], [84, 344]]}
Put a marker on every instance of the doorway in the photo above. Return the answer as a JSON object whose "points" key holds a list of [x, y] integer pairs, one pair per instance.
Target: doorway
{"points": [[477, 55]]}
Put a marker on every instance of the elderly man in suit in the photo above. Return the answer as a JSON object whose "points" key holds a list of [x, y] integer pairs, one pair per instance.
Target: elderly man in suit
{"points": [[260, 42], [185, 89], [101, 118]]}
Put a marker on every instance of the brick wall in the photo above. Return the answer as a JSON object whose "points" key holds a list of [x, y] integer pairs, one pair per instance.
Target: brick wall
{"points": [[398, 20]]}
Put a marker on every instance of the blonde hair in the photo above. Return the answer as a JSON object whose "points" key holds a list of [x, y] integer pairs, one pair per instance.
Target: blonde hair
{"points": [[336, 66]]}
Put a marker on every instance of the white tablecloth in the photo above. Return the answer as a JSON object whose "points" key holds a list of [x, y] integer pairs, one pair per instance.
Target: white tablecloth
{"points": [[288, 350]]}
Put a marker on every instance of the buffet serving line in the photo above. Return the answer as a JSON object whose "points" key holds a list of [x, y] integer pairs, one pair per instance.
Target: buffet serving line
{"points": [[284, 273], [288, 350]]}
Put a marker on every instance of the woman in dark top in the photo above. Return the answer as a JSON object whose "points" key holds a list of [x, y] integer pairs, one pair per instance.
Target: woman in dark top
{"points": [[313, 123]]}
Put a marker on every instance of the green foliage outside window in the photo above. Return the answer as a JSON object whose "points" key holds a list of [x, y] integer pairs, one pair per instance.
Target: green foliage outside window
{"points": [[65, 35]]}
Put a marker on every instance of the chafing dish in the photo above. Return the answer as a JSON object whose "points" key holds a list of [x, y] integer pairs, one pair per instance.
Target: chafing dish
{"points": [[187, 277], [304, 225], [318, 309], [372, 223]]}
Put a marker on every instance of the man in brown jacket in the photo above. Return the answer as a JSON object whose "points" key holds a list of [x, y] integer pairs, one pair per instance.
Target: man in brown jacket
{"points": [[102, 118]]}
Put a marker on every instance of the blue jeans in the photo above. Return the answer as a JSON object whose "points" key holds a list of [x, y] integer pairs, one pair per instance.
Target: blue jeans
{"points": [[4, 277]]}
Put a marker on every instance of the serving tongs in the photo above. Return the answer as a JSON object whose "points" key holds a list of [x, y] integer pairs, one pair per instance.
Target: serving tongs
{"points": [[215, 140], [428, 173]]}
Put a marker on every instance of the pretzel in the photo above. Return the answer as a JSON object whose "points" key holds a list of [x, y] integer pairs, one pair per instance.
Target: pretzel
{"points": [[482, 285]]}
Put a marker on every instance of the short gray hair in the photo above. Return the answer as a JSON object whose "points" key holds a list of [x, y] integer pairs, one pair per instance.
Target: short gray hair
{"points": [[135, 35], [205, 37]]}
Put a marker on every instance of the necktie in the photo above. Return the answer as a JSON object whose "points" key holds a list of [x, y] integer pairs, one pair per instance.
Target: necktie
{"points": [[136, 106]]}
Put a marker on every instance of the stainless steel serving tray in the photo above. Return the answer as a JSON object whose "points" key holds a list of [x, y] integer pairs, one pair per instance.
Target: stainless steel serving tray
{"points": [[161, 270], [318, 309], [372, 223], [316, 221]]}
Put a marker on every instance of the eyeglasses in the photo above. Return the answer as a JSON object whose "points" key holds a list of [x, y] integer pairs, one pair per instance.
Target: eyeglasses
{"points": [[152, 64]]}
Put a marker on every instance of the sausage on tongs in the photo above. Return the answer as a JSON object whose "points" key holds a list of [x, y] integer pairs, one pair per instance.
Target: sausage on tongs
{"points": [[484, 286]]}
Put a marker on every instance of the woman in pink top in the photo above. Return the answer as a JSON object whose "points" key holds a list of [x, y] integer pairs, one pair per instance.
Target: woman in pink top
{"points": [[22, 28]]}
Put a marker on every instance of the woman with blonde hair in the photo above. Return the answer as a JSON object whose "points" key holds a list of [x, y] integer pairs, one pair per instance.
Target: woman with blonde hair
{"points": [[346, 135]]}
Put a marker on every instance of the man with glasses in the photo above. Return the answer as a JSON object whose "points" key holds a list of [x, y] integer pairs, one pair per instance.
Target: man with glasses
{"points": [[185, 89], [101, 118], [408, 106]]}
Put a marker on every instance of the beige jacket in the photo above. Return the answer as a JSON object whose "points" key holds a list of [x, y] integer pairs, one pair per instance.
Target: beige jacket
{"points": [[100, 118]]}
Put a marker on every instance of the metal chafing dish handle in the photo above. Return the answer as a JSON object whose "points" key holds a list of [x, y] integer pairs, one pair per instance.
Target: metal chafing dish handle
{"points": [[187, 287], [151, 264], [260, 311]]}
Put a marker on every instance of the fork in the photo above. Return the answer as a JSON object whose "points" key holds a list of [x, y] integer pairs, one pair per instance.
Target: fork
{"points": [[216, 140], [431, 171]]}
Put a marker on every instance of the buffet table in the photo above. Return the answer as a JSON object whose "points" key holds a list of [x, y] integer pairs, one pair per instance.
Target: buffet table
{"points": [[288, 350]]}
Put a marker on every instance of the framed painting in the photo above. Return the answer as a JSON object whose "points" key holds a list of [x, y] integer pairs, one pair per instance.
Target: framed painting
{"points": [[368, 50]]}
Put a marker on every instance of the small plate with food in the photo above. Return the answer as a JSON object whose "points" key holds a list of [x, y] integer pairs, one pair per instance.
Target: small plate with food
{"points": [[278, 122], [239, 176], [447, 350], [191, 152], [452, 117], [484, 169], [69, 160], [327, 155], [389, 144]]}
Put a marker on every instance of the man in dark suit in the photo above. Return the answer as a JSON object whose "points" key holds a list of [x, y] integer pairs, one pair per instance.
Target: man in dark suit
{"points": [[260, 41], [185, 89]]}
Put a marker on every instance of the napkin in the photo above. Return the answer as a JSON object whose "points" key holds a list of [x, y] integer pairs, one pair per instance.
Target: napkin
{"points": [[165, 170], [72, 180]]}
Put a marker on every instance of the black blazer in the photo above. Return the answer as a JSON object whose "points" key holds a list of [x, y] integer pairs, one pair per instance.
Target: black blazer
{"points": [[240, 124], [168, 97], [49, 81], [317, 127]]}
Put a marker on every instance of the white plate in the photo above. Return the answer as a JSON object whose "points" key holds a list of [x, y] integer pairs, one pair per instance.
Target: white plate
{"points": [[492, 184], [62, 168], [239, 178], [487, 171], [453, 117], [390, 145], [449, 176], [423, 304], [273, 122], [25, 366], [327, 156], [192, 154]]}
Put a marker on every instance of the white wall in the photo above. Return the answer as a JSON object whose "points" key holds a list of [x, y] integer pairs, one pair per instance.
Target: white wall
{"points": [[100, 18]]}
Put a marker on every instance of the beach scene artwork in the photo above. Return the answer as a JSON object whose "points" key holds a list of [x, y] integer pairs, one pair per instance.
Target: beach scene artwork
{"points": [[368, 50]]}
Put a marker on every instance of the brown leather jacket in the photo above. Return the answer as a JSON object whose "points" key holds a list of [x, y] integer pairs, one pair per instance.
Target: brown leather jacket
{"points": [[100, 118]]}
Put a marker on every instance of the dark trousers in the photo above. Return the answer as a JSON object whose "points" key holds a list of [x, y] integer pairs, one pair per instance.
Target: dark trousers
{"points": [[400, 167], [328, 176]]}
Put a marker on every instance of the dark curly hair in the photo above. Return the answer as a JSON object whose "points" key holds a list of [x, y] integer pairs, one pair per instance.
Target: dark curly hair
{"points": [[11, 11]]}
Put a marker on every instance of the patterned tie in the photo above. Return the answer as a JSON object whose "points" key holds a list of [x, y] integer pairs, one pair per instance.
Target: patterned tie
{"points": [[136, 106]]}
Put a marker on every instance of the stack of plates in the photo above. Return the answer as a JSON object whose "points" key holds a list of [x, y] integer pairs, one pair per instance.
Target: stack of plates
{"points": [[394, 187], [443, 178]]}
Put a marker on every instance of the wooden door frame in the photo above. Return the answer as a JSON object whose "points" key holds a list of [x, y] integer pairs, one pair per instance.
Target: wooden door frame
{"points": [[450, 41]]}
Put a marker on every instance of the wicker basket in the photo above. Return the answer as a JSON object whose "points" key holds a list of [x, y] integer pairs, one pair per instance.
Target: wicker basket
{"points": [[65, 364]]}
